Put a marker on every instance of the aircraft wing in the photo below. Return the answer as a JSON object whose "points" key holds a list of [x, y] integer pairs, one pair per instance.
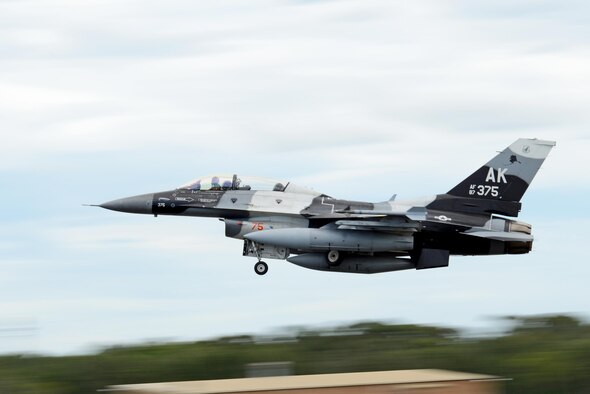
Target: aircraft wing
{"points": [[414, 213], [389, 221], [390, 225], [398, 222]]}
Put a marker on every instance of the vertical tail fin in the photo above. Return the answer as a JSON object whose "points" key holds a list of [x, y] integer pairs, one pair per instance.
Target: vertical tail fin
{"points": [[508, 175], [498, 186]]}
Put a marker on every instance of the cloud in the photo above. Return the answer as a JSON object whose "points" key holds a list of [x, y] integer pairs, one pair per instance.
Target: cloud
{"points": [[357, 99], [293, 87]]}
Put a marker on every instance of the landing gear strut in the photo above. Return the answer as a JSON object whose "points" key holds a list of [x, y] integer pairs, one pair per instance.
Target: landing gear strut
{"points": [[261, 268]]}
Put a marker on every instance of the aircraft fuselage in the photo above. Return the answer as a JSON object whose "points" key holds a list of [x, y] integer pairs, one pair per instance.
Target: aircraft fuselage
{"points": [[281, 220]]}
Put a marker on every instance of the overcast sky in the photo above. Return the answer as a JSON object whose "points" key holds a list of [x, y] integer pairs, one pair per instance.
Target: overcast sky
{"points": [[357, 99]]}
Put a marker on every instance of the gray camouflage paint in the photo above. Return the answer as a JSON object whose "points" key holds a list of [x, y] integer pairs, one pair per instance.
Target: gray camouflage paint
{"points": [[461, 221]]}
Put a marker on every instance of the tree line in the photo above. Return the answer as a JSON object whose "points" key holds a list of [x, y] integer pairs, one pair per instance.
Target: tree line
{"points": [[540, 354]]}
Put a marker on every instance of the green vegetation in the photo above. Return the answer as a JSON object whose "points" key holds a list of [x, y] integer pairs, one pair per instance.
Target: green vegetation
{"points": [[549, 354]]}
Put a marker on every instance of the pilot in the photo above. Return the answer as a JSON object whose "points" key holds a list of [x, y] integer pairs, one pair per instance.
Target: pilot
{"points": [[278, 187], [215, 183], [226, 185]]}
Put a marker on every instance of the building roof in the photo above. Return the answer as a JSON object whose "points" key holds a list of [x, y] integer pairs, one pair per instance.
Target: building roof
{"points": [[301, 382]]}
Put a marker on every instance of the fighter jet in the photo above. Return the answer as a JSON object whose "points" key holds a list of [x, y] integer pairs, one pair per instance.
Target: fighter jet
{"points": [[284, 221]]}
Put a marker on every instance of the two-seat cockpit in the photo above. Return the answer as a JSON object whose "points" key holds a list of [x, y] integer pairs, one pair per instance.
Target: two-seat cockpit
{"points": [[233, 182]]}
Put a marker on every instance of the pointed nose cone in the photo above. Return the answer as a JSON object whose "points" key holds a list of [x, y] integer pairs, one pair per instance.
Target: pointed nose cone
{"points": [[135, 204]]}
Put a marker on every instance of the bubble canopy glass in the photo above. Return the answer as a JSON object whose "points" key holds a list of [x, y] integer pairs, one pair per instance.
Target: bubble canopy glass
{"points": [[235, 182]]}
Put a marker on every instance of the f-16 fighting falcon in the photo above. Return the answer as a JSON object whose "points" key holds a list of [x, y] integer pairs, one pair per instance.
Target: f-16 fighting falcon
{"points": [[281, 220]]}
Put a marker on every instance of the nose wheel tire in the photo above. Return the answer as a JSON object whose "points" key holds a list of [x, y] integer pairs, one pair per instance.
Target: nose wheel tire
{"points": [[261, 268]]}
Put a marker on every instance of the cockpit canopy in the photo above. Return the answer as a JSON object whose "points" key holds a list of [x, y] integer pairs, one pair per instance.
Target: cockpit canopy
{"points": [[233, 182]]}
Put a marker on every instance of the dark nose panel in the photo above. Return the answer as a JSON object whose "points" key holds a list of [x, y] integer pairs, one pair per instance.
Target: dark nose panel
{"points": [[135, 204]]}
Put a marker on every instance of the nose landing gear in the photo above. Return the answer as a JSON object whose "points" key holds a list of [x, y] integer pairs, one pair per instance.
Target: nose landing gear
{"points": [[261, 268], [260, 251]]}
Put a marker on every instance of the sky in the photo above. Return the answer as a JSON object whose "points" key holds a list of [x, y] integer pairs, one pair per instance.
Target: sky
{"points": [[358, 99]]}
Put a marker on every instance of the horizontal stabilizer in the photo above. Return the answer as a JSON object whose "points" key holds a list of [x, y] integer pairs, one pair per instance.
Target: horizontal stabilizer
{"points": [[501, 235]]}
